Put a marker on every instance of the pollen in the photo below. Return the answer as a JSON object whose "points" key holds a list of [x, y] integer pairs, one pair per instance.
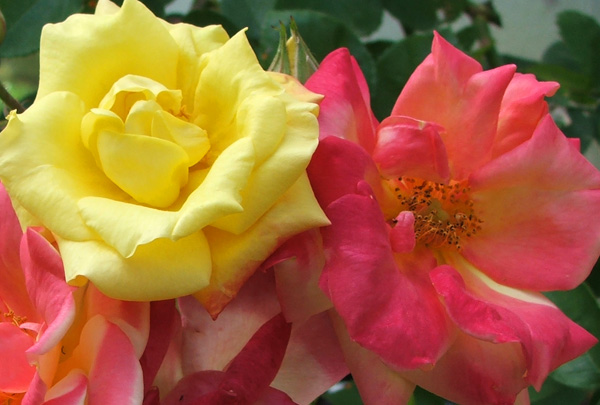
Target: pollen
{"points": [[16, 319], [444, 213]]}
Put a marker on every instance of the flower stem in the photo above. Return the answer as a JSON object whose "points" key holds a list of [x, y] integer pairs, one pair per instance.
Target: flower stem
{"points": [[9, 100]]}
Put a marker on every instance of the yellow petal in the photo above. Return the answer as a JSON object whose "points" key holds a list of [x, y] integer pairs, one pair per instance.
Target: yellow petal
{"points": [[236, 257], [280, 170], [88, 53], [191, 138], [220, 189], [47, 180], [150, 170], [162, 269], [194, 43]]}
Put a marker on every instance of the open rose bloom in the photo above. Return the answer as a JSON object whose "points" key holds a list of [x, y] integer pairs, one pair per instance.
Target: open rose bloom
{"points": [[449, 218], [173, 166], [62, 344]]}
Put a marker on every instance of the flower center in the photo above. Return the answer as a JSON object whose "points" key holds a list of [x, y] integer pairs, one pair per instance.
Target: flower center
{"points": [[444, 214], [15, 319]]}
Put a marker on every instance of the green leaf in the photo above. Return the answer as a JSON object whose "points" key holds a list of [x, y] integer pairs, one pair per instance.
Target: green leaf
{"points": [[582, 307], [343, 393], [249, 13], [25, 19], [582, 126], [323, 34], [394, 67], [582, 35], [554, 393], [363, 17], [414, 15]]}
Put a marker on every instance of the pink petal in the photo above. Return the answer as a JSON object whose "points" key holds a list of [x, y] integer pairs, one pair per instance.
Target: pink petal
{"points": [[36, 392], [382, 307], [71, 390], [211, 344], [13, 294], [313, 360], [16, 373], [132, 317], [164, 321], [297, 279], [337, 166], [108, 356], [408, 147], [548, 338], [46, 285], [345, 111], [449, 88], [539, 202], [474, 371], [522, 108], [402, 235], [253, 369], [248, 376], [376, 382]]}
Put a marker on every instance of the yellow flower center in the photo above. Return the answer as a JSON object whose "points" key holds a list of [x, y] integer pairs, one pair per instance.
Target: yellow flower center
{"points": [[444, 213]]}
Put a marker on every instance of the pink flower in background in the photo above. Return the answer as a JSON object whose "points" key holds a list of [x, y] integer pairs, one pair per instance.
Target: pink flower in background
{"points": [[65, 345], [448, 220], [252, 353]]}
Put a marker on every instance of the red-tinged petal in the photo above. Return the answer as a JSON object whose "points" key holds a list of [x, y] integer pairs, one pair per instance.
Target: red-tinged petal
{"points": [[313, 360], [382, 307], [49, 292], [13, 294], [450, 89], [474, 372], [211, 344], [106, 355], [16, 377], [337, 166], [376, 382], [408, 147], [164, 321], [193, 387], [489, 311], [132, 317], [202, 388], [541, 228], [35, 392], [253, 369], [402, 235], [297, 279], [345, 111], [522, 108], [71, 390]]}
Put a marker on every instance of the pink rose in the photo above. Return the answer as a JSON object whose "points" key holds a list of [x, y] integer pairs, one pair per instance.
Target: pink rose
{"points": [[65, 345], [449, 219]]}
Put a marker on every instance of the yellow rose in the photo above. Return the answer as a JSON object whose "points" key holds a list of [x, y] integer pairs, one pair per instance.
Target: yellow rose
{"points": [[162, 157]]}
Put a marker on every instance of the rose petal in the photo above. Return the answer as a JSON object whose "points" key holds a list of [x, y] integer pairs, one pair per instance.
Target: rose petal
{"points": [[345, 110], [361, 269], [52, 297], [522, 108], [71, 52], [376, 382], [407, 147], [313, 360], [16, 377], [540, 231], [450, 89]]}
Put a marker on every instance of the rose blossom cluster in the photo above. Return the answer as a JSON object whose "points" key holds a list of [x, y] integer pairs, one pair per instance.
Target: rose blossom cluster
{"points": [[178, 226]]}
